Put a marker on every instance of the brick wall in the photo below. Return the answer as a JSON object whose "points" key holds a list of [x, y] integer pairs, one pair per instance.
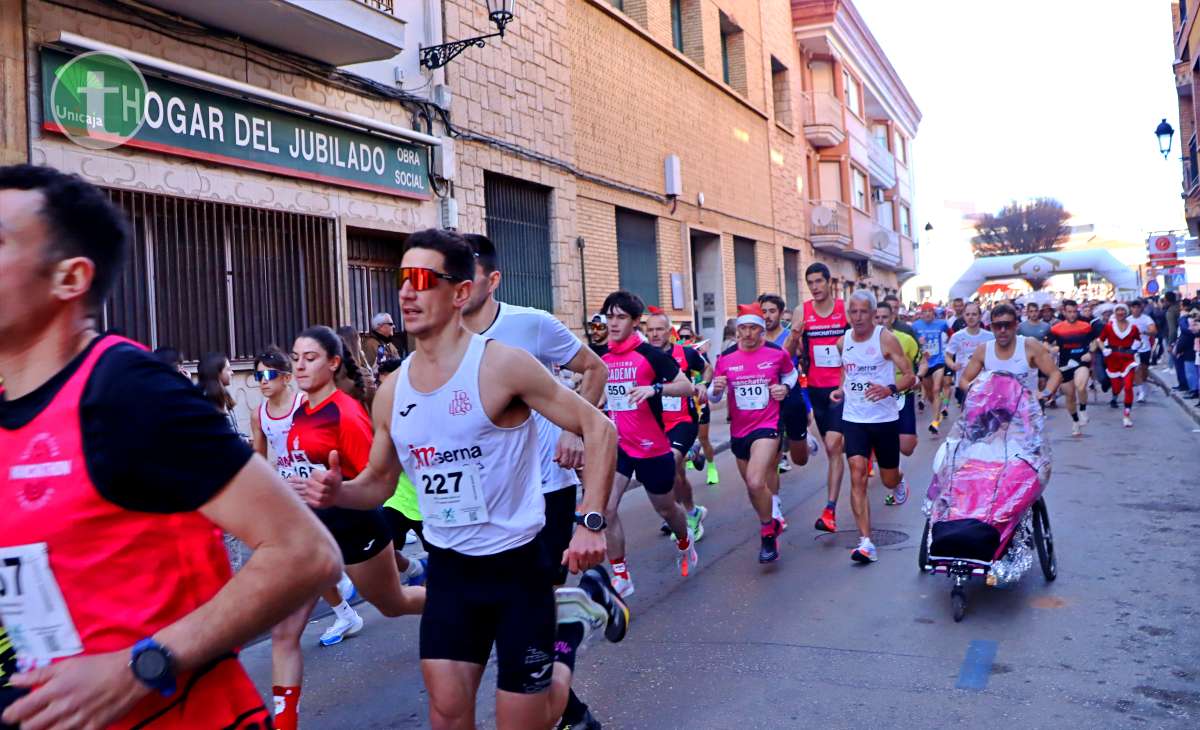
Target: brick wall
{"points": [[13, 133]]}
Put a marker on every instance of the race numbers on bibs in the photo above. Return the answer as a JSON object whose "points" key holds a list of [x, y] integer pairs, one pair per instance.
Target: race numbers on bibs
{"points": [[451, 496], [672, 403], [826, 356], [751, 397], [618, 395], [32, 607]]}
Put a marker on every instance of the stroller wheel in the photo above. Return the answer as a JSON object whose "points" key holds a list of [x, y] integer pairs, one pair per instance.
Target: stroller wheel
{"points": [[923, 551], [958, 599], [1043, 540]]}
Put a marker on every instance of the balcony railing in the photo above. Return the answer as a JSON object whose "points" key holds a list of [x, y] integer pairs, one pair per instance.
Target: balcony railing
{"points": [[829, 225], [824, 116], [383, 6], [882, 165]]}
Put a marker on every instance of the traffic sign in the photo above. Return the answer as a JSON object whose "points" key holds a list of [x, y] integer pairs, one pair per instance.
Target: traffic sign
{"points": [[1160, 244], [1152, 286], [1166, 262], [1191, 247], [1166, 255]]}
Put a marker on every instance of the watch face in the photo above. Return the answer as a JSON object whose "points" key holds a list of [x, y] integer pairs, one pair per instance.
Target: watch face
{"points": [[593, 520], [150, 664]]}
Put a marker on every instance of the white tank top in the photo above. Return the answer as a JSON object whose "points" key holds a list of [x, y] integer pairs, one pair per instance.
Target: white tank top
{"points": [[275, 431], [1018, 364], [864, 364], [479, 486]]}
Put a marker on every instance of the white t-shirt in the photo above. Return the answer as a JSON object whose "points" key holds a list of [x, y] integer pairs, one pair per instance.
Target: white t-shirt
{"points": [[550, 342], [1143, 322], [963, 344]]}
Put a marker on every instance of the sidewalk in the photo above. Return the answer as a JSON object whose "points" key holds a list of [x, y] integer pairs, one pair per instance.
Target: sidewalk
{"points": [[1157, 377]]}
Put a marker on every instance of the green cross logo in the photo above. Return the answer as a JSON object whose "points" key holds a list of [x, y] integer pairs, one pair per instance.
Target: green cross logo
{"points": [[99, 100]]}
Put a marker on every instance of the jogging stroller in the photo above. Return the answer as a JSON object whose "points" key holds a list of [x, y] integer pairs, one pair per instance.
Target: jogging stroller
{"points": [[986, 516]]}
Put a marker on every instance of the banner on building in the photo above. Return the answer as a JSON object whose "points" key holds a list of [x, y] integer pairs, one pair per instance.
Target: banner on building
{"points": [[166, 116]]}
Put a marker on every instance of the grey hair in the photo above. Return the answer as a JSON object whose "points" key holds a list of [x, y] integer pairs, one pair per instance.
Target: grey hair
{"points": [[378, 319], [866, 296]]}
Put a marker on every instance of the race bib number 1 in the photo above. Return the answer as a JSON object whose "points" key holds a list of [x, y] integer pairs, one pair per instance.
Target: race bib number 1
{"points": [[751, 397], [32, 607], [618, 395], [826, 356], [451, 496]]}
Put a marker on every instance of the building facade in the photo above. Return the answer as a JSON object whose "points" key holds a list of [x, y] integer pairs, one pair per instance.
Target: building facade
{"points": [[1187, 74], [697, 153]]}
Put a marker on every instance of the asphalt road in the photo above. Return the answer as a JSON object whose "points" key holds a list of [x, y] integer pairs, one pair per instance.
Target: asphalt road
{"points": [[816, 641]]}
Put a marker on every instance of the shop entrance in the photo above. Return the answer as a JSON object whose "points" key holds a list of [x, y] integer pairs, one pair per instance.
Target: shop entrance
{"points": [[708, 299]]}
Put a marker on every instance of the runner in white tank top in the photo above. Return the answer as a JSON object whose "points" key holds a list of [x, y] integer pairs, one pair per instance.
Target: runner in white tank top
{"points": [[871, 357], [273, 373], [1010, 352], [470, 448]]}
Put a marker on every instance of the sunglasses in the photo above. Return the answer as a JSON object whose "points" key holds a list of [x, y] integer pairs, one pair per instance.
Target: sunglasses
{"points": [[1003, 324], [263, 376], [423, 279]]}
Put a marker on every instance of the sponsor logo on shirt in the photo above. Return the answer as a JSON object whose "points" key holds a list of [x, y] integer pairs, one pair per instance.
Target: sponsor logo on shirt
{"points": [[766, 365], [460, 404], [427, 456], [407, 409], [736, 368]]}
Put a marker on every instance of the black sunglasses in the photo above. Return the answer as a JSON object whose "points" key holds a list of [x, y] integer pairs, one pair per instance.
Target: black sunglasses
{"points": [[1005, 324]]}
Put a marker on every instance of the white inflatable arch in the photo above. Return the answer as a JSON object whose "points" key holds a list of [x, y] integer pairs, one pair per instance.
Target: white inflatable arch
{"points": [[1043, 266]]}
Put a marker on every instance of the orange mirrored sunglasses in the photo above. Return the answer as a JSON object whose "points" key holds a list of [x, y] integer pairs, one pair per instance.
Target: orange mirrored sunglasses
{"points": [[423, 279]]}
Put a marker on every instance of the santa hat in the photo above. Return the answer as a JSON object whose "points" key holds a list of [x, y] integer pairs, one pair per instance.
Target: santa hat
{"points": [[751, 314], [1121, 305], [928, 307]]}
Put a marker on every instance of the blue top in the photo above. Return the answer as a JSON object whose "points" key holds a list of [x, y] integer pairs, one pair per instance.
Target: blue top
{"points": [[932, 336]]}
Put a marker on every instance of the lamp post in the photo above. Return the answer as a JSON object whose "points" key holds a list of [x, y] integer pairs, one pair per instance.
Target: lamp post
{"points": [[500, 12], [1164, 132]]}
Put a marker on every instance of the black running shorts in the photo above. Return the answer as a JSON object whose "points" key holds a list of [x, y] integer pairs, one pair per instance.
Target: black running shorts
{"points": [[506, 599], [826, 413], [399, 525], [560, 525], [740, 446], [361, 534], [705, 415], [794, 414], [934, 368], [656, 473], [881, 439], [683, 435], [908, 415]]}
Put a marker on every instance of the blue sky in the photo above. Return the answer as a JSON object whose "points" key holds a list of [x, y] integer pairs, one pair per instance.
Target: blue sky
{"points": [[1028, 98]]}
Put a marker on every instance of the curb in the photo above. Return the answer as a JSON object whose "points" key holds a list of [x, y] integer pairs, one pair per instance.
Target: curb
{"points": [[1189, 407]]}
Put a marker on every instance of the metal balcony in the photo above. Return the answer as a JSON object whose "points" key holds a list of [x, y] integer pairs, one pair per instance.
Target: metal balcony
{"points": [[336, 32], [824, 119], [829, 225], [881, 165]]}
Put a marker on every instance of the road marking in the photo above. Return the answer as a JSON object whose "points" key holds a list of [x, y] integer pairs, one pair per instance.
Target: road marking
{"points": [[977, 665]]}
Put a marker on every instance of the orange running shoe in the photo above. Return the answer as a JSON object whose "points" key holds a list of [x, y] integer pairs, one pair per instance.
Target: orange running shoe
{"points": [[826, 522]]}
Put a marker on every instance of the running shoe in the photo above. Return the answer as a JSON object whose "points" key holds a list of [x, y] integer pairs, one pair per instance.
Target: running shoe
{"points": [[686, 559], [419, 578], [664, 528], [865, 552], [576, 606], [713, 476], [1083, 418], [1127, 422], [346, 589], [622, 582], [1141, 396], [587, 722], [769, 552], [1076, 430], [696, 458], [933, 427], [695, 521], [688, 464], [945, 412], [1112, 403], [826, 522], [342, 629], [900, 494], [920, 405], [596, 584], [889, 499], [410, 537], [813, 445], [784, 465]]}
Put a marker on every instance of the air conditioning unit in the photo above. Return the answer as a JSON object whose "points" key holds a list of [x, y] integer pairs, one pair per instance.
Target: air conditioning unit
{"points": [[674, 179], [448, 210]]}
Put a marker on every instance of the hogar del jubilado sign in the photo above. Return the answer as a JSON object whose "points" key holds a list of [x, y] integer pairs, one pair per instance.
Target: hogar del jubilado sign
{"points": [[107, 100]]}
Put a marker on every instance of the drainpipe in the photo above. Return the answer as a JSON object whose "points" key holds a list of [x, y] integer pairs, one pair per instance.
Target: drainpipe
{"points": [[582, 282]]}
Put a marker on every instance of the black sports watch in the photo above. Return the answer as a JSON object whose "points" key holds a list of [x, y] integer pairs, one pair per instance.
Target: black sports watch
{"points": [[658, 388], [153, 666], [593, 521], [892, 387]]}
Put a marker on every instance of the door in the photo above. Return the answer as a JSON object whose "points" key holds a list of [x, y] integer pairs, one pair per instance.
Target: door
{"points": [[708, 299]]}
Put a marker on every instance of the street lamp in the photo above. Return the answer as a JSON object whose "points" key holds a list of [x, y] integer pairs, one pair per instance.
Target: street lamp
{"points": [[500, 12], [1164, 132]]}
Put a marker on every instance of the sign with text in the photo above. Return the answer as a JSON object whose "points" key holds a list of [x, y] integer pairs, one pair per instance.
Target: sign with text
{"points": [[1191, 247], [209, 124]]}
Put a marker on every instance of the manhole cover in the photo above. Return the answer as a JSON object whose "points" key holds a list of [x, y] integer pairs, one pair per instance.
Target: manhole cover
{"points": [[849, 538]]}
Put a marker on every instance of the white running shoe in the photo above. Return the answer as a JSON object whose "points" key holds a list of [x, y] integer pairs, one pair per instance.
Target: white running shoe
{"points": [[410, 537], [865, 552], [1141, 395], [342, 629], [1076, 430], [687, 559], [901, 493], [346, 588], [1127, 422]]}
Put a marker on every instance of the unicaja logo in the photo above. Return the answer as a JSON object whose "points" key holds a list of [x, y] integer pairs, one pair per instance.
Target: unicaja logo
{"points": [[98, 100]]}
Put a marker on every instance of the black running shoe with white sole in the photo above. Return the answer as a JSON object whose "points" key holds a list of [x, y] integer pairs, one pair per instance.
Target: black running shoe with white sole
{"points": [[596, 583]]}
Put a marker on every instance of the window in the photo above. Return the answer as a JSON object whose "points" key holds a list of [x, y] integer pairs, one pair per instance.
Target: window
{"points": [[618, 4], [733, 55], [373, 271], [900, 146], [853, 93], [744, 270], [905, 220], [724, 56], [211, 277], [860, 189], [637, 254], [677, 24], [518, 222], [782, 92], [791, 277]]}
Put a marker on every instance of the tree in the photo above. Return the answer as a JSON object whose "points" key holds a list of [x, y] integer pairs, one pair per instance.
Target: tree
{"points": [[1035, 227]]}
